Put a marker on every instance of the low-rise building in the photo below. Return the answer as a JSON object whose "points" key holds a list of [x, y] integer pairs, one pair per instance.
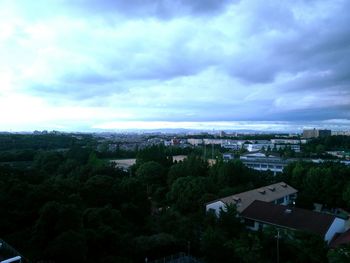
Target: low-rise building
{"points": [[285, 141], [167, 143], [279, 193], [255, 147], [195, 142], [227, 157], [175, 141], [343, 133], [261, 162], [124, 164], [293, 147], [231, 146], [179, 158], [339, 154], [260, 214], [213, 141]]}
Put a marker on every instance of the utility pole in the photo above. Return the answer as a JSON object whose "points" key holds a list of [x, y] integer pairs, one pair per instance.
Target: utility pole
{"points": [[278, 245]]}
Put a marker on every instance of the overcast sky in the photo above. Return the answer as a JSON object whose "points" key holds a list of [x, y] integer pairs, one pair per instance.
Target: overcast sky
{"points": [[90, 64]]}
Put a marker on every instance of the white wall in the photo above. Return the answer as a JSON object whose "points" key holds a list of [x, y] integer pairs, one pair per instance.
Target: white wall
{"points": [[216, 206], [338, 226], [10, 260]]}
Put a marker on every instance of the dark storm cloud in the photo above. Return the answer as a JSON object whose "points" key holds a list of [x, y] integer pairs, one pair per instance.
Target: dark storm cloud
{"points": [[83, 83], [314, 114], [296, 45], [313, 54], [275, 41], [175, 62], [159, 8]]}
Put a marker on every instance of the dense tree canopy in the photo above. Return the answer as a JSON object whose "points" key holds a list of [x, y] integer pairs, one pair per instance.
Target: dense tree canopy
{"points": [[71, 206]]}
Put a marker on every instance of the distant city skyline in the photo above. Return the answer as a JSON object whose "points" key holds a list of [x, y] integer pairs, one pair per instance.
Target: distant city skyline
{"points": [[158, 64], [216, 127]]}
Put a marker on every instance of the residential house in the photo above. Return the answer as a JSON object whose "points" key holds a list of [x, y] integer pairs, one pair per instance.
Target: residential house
{"points": [[279, 193], [340, 239], [260, 214]]}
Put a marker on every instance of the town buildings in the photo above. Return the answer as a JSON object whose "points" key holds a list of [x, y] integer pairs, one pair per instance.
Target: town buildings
{"points": [[261, 162], [343, 133], [315, 133]]}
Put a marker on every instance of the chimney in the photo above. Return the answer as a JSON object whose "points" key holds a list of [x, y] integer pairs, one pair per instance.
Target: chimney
{"points": [[261, 191]]}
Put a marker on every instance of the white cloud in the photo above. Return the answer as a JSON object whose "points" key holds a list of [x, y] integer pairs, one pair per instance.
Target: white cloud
{"points": [[63, 62]]}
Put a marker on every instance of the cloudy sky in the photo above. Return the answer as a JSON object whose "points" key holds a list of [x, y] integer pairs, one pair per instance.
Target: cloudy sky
{"points": [[103, 64]]}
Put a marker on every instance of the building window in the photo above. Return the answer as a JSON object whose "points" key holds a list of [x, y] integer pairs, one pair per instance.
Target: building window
{"points": [[293, 196], [249, 222], [279, 201]]}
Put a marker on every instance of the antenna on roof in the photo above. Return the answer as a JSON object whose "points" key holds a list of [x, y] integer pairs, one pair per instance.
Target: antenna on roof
{"points": [[212, 150]]}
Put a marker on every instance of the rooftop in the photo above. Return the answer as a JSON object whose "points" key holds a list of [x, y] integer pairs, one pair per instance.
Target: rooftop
{"points": [[340, 239], [289, 217], [267, 193]]}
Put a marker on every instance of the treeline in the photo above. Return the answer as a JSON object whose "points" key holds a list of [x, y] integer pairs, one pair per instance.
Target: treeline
{"points": [[74, 207], [17, 155], [318, 146], [326, 183], [11, 142], [104, 153]]}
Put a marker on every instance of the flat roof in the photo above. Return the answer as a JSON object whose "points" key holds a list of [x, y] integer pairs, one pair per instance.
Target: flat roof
{"points": [[124, 162]]}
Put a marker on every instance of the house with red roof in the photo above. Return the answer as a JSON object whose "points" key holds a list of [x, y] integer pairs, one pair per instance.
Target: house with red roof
{"points": [[260, 214]]}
